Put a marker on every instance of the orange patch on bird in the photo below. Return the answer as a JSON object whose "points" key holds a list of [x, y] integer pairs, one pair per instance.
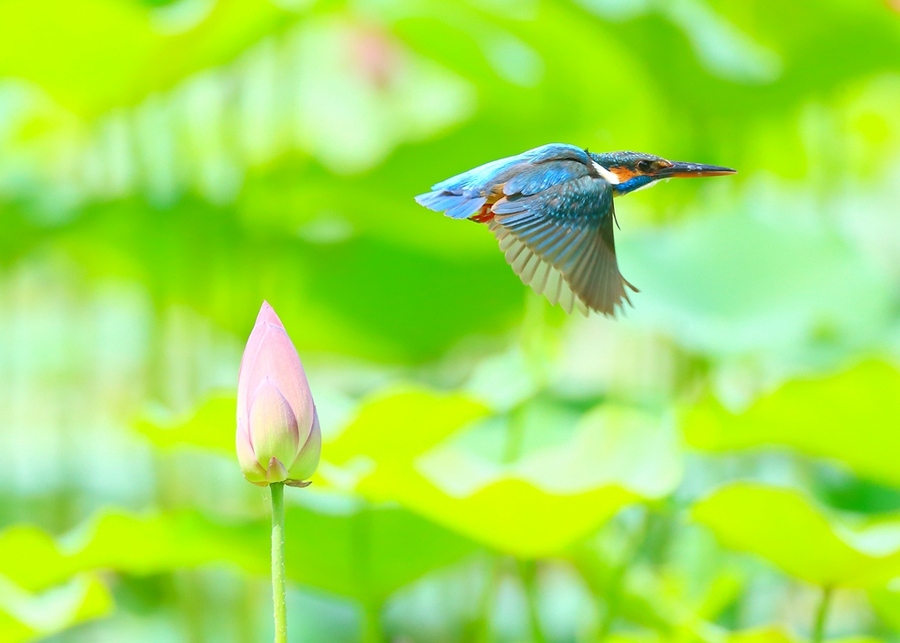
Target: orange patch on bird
{"points": [[623, 173], [484, 215]]}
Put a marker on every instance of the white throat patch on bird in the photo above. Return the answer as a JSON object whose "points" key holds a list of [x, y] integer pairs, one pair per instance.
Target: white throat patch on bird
{"points": [[610, 177]]}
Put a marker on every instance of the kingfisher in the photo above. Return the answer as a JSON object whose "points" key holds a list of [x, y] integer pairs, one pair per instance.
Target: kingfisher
{"points": [[551, 209]]}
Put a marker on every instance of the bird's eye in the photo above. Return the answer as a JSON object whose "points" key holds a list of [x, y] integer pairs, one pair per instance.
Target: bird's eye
{"points": [[643, 166]]}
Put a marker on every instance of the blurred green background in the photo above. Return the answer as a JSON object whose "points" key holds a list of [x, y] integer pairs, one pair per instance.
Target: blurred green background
{"points": [[706, 468]]}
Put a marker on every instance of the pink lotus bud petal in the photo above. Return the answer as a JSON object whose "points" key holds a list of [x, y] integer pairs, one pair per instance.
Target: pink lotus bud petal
{"points": [[278, 436], [308, 459], [273, 427], [253, 471], [270, 353]]}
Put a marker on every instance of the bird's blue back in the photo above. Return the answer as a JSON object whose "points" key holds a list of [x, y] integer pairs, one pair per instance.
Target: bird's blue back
{"points": [[527, 173]]}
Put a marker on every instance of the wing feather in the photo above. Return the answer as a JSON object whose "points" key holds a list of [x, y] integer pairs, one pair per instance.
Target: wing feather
{"points": [[537, 178], [545, 279], [564, 236]]}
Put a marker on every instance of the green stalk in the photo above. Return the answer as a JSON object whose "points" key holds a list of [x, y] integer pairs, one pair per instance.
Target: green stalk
{"points": [[482, 627], [616, 584], [821, 616], [371, 626], [278, 592], [528, 574], [613, 598]]}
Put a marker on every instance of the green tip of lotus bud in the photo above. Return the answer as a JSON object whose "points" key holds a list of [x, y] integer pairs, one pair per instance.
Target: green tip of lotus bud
{"points": [[276, 471], [278, 437]]}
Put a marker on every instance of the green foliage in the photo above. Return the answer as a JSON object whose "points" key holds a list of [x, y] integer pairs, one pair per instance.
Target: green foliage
{"points": [[539, 504], [832, 304], [165, 166], [851, 417], [397, 426], [27, 617], [757, 519], [361, 553], [202, 428]]}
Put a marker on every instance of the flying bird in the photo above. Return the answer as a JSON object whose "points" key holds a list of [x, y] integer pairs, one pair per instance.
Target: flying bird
{"points": [[551, 208]]}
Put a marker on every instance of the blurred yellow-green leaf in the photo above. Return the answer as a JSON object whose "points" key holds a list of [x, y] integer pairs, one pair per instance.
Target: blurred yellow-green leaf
{"points": [[545, 501], [851, 417], [208, 427], [786, 529], [399, 425], [30, 617], [359, 552]]}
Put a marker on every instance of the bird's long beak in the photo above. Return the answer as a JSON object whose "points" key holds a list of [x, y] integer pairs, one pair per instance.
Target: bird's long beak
{"points": [[680, 169]]}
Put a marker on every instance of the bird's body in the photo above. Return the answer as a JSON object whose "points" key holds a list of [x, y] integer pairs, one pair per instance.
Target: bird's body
{"points": [[551, 208]]}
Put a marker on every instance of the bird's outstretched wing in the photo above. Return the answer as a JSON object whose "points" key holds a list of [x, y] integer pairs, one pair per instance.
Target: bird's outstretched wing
{"points": [[463, 195], [560, 242], [553, 215]]}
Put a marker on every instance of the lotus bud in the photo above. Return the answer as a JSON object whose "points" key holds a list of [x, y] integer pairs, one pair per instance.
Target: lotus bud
{"points": [[278, 436]]}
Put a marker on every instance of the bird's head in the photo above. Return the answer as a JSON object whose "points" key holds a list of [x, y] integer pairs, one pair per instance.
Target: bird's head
{"points": [[630, 171]]}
